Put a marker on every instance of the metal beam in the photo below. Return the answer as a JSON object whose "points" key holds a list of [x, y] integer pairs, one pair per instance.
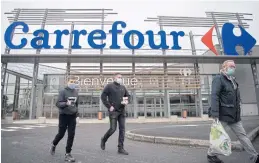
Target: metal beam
{"points": [[123, 58], [33, 107], [70, 48], [21, 75]]}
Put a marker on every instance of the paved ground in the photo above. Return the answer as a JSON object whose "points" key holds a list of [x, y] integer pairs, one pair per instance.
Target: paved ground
{"points": [[30, 144], [194, 130]]}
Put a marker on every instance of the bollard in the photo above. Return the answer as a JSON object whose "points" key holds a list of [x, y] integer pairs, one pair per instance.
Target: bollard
{"points": [[100, 115], [184, 113]]}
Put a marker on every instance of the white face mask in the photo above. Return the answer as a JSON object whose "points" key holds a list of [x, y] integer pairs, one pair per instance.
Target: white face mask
{"points": [[119, 80]]}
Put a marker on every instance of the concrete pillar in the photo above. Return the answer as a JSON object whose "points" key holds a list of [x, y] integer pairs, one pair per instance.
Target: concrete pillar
{"points": [[51, 107], [167, 104], [40, 95], [135, 104], [16, 93], [161, 109], [145, 106], [200, 103], [155, 108], [34, 89], [196, 102]]}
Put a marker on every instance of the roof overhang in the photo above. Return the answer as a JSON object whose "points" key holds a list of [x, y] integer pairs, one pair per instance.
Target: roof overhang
{"points": [[122, 58]]}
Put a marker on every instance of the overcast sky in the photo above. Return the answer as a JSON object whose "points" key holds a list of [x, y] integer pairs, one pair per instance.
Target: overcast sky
{"points": [[134, 12]]}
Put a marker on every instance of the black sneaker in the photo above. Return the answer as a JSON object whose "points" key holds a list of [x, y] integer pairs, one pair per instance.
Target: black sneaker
{"points": [[122, 151], [52, 149], [102, 144], [69, 158], [214, 159]]}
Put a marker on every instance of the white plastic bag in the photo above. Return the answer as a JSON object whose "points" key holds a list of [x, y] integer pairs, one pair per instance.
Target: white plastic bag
{"points": [[220, 142]]}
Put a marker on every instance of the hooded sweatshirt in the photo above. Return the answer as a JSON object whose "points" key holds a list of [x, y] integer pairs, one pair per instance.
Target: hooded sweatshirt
{"points": [[64, 95]]}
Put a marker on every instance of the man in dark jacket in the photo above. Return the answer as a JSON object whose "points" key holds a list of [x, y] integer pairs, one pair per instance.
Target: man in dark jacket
{"points": [[68, 109], [118, 97], [225, 107]]}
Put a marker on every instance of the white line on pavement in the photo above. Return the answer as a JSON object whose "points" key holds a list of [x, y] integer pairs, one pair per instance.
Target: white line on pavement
{"points": [[8, 130], [26, 128], [14, 127], [30, 126]]}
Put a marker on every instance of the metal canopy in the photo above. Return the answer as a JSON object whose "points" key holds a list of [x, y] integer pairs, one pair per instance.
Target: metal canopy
{"points": [[122, 58], [212, 18], [61, 16]]}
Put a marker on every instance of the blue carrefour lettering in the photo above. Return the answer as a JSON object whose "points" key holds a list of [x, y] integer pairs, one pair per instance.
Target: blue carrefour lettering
{"points": [[151, 40], [77, 34], [59, 34], [40, 41], [127, 39], [42, 36], [114, 31], [175, 39], [91, 39], [9, 34]]}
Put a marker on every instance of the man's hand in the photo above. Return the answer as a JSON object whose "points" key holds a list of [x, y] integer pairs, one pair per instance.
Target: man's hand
{"points": [[216, 119], [111, 108]]}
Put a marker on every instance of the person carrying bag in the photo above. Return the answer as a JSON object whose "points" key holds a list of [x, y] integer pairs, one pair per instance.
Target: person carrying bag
{"points": [[225, 110]]}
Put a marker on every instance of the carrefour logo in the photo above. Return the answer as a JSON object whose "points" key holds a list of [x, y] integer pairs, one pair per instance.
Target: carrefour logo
{"points": [[92, 38], [230, 41]]}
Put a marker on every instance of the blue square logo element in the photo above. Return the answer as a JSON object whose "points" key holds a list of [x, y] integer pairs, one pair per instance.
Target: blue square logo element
{"points": [[230, 41]]}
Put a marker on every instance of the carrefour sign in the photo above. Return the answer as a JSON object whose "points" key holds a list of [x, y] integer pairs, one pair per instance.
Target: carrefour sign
{"points": [[229, 40], [92, 36]]}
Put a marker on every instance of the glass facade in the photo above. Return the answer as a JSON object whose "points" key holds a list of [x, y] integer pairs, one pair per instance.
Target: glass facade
{"points": [[150, 103], [17, 96], [146, 102]]}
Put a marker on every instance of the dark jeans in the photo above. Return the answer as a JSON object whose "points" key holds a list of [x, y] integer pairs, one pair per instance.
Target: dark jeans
{"points": [[66, 122], [114, 117]]}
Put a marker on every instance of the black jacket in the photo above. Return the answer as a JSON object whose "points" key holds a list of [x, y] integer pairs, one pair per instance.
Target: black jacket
{"points": [[225, 100], [62, 100], [115, 93]]}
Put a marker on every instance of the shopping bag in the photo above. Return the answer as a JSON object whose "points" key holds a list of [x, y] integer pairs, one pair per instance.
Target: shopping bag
{"points": [[220, 142]]}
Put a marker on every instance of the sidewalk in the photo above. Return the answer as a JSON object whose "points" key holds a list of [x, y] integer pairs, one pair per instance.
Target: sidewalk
{"points": [[173, 119], [190, 134]]}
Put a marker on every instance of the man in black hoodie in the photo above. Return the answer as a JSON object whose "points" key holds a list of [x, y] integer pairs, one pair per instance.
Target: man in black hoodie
{"points": [[68, 109], [118, 97]]}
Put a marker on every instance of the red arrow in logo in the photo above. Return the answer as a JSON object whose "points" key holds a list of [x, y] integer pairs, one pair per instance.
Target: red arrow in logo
{"points": [[207, 40]]}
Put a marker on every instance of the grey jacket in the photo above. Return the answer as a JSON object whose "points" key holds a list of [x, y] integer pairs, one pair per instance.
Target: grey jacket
{"points": [[225, 99], [64, 95]]}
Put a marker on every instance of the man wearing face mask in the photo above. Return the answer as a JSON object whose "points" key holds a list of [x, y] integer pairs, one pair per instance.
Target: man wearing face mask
{"points": [[225, 107], [118, 97], [68, 110]]}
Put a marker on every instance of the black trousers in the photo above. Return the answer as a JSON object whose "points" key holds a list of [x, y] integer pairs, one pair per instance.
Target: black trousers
{"points": [[114, 117], [66, 122]]}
